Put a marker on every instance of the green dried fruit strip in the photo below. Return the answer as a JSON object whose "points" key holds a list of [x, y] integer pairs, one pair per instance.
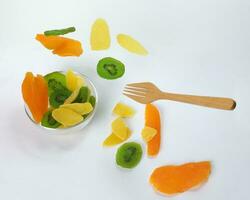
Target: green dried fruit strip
{"points": [[59, 31]]}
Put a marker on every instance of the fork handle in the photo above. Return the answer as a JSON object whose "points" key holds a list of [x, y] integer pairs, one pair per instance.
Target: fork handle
{"points": [[212, 102]]}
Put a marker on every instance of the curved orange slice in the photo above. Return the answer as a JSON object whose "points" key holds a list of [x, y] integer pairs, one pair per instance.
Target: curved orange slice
{"points": [[35, 95], [175, 179], [41, 96], [28, 95], [152, 119], [61, 46]]}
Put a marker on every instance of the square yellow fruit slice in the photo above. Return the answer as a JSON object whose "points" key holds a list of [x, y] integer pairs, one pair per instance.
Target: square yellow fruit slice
{"points": [[148, 133], [113, 140], [123, 110], [119, 128]]}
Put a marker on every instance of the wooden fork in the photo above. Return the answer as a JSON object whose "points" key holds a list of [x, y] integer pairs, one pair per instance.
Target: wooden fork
{"points": [[147, 92]]}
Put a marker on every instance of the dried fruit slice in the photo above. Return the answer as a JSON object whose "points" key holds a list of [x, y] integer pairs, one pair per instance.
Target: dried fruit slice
{"points": [[131, 44], [175, 179], [129, 155], [61, 46], [66, 117], [72, 97], [28, 95], [48, 121], [119, 128], [152, 119], [100, 37], [41, 95], [35, 95], [50, 42], [148, 133], [123, 110], [92, 100], [60, 31], [58, 97], [80, 108], [110, 68], [113, 140], [73, 83], [83, 95], [69, 48], [55, 81]]}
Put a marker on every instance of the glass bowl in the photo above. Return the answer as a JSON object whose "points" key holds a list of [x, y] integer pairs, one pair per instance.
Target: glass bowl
{"points": [[76, 127]]}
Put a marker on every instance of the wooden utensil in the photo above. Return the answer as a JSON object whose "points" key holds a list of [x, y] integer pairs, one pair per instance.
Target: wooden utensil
{"points": [[147, 92]]}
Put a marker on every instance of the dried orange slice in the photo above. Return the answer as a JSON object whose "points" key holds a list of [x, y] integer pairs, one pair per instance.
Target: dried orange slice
{"points": [[152, 119], [61, 46], [174, 179]]}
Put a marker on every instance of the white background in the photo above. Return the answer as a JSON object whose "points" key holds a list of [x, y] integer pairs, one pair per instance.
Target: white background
{"points": [[196, 47]]}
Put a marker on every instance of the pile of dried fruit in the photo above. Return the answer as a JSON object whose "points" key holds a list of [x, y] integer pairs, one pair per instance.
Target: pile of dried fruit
{"points": [[57, 100]]}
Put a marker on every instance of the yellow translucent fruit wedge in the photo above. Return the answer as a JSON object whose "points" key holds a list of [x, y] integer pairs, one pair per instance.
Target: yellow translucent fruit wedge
{"points": [[74, 94], [123, 110], [113, 139], [73, 81], [119, 128], [100, 37], [80, 108], [132, 45], [66, 117], [148, 133]]}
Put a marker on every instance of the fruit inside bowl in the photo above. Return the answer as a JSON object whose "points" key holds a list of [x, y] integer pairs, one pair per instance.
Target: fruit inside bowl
{"points": [[59, 100]]}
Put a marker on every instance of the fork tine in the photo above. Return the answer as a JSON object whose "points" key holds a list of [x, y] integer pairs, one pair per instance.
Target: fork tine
{"points": [[135, 92], [140, 85], [136, 88], [136, 98]]}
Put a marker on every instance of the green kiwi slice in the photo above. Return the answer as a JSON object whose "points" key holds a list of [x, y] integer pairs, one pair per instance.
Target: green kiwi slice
{"points": [[49, 121], [110, 68], [92, 101], [129, 155], [58, 78], [83, 95], [58, 97]]}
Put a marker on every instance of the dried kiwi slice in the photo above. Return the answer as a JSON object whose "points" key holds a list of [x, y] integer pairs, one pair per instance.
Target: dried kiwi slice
{"points": [[92, 101], [53, 84], [83, 95], [58, 97], [49, 121], [129, 155], [110, 68], [58, 78]]}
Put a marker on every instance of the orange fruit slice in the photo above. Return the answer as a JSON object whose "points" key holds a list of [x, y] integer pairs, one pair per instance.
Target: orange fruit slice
{"points": [[152, 119], [35, 95], [41, 95], [61, 46], [174, 179]]}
